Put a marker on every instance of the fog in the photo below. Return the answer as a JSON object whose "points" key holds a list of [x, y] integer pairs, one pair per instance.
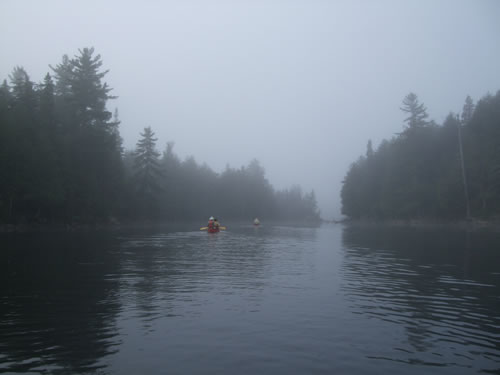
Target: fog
{"points": [[301, 86]]}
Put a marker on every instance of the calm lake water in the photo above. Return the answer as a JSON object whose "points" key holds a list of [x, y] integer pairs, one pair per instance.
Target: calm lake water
{"points": [[267, 300]]}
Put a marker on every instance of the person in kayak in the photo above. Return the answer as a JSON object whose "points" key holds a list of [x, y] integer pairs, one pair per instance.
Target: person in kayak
{"points": [[213, 225], [256, 222]]}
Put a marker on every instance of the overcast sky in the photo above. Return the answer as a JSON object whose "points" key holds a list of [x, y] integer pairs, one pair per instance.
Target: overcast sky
{"points": [[299, 85]]}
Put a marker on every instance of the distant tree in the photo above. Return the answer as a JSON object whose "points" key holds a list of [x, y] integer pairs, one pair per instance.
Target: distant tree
{"points": [[90, 141], [452, 183], [51, 188], [468, 110], [23, 151], [352, 191], [88, 91], [171, 182], [311, 206], [419, 174], [5, 96], [63, 76], [417, 111], [369, 149], [114, 130], [258, 192], [22, 88], [6, 144], [482, 156], [147, 173], [47, 105]]}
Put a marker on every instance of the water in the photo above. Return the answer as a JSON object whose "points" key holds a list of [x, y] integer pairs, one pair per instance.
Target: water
{"points": [[267, 300]]}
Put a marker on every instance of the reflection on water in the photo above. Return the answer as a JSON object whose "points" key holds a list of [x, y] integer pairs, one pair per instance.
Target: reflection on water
{"points": [[267, 300], [58, 305], [75, 303], [443, 288]]}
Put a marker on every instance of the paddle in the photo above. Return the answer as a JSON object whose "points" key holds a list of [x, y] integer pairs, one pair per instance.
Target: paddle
{"points": [[206, 228]]}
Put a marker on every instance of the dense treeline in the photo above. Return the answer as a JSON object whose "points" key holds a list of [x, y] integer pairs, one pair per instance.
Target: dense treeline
{"points": [[162, 186], [447, 171], [61, 160]]}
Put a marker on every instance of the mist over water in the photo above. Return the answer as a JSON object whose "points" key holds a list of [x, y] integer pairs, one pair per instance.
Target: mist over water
{"points": [[274, 299], [289, 112], [300, 86]]}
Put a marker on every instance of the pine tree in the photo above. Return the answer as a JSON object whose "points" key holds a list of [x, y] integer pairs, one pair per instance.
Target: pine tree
{"points": [[467, 110], [47, 113], [369, 149], [147, 176], [6, 141], [91, 144], [63, 75], [88, 92], [23, 151], [417, 111], [51, 192]]}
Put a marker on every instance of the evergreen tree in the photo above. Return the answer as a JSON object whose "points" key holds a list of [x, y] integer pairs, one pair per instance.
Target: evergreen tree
{"points": [[88, 92], [63, 75], [61, 158], [369, 149], [468, 110], [171, 167], [417, 111], [6, 143], [91, 145], [482, 156], [47, 105], [147, 173], [23, 152], [418, 173], [51, 189]]}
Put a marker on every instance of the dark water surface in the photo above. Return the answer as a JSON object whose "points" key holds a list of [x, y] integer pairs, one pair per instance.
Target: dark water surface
{"points": [[268, 300]]}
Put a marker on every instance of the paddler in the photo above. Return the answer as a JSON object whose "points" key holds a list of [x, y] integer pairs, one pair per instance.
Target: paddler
{"points": [[211, 223], [256, 221]]}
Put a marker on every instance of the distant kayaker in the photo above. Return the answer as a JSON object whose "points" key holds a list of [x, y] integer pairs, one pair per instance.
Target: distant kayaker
{"points": [[210, 222], [213, 225], [256, 221]]}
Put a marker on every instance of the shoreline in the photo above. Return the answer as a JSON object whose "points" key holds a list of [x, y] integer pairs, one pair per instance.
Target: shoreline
{"points": [[115, 225], [467, 224], [470, 224]]}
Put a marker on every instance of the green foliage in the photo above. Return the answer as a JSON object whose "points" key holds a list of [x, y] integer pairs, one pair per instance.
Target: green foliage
{"points": [[417, 174]]}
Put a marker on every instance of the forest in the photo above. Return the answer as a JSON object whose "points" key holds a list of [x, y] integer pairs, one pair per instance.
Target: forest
{"points": [[62, 161], [430, 171]]}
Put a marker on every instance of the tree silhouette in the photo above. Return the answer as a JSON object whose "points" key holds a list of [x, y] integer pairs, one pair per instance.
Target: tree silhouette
{"points": [[147, 172]]}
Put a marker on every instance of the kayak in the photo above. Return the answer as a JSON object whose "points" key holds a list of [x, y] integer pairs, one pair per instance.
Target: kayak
{"points": [[213, 229]]}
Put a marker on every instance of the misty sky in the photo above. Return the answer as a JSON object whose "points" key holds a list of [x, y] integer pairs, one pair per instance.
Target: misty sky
{"points": [[299, 85]]}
